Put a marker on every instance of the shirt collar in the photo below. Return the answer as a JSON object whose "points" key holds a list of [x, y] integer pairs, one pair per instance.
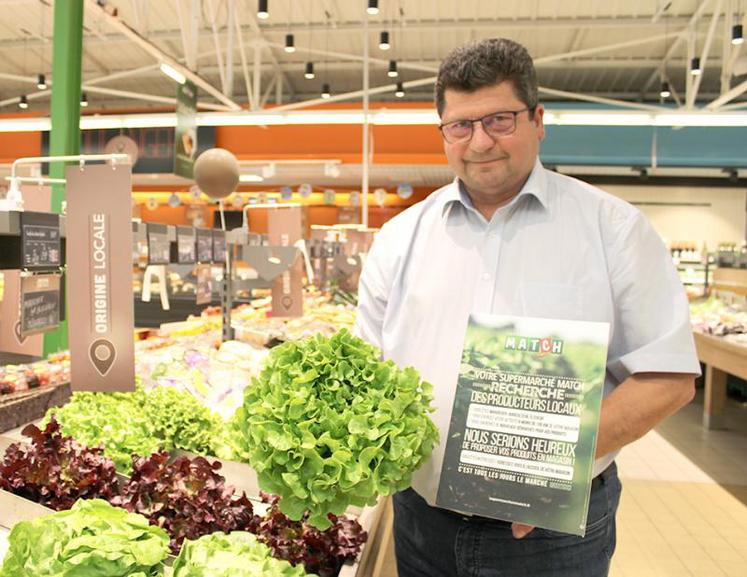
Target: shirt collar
{"points": [[536, 185]]}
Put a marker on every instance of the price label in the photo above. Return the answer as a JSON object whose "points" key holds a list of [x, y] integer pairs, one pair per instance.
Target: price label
{"points": [[40, 303], [40, 240], [204, 245], [186, 244], [159, 247], [219, 246]]}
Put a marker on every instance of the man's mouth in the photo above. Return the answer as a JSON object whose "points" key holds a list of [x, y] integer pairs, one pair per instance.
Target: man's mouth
{"points": [[487, 161]]}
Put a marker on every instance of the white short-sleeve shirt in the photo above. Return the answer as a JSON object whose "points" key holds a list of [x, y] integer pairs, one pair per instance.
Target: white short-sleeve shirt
{"points": [[560, 249]]}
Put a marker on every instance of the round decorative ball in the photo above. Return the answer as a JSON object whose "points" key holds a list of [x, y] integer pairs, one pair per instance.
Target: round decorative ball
{"points": [[216, 172]]}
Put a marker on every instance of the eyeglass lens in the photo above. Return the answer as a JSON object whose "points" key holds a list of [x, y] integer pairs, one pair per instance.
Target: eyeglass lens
{"points": [[499, 124]]}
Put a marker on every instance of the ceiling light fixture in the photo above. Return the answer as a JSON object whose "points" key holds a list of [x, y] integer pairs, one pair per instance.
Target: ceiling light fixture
{"points": [[262, 11], [665, 92], [173, 73], [400, 92], [41, 82], [325, 91], [695, 69], [84, 100], [737, 34], [309, 73], [373, 7], [23, 102], [392, 72], [290, 43], [384, 40]]}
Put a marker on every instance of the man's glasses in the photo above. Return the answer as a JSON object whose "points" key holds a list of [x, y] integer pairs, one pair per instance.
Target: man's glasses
{"points": [[495, 125]]}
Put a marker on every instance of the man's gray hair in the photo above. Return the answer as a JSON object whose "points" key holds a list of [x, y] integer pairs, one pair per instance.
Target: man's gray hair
{"points": [[486, 63]]}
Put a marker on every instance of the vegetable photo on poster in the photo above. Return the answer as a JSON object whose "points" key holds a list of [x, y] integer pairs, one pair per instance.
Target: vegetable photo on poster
{"points": [[524, 422]]}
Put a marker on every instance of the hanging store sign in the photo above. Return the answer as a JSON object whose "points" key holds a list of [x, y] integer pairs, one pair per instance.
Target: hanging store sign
{"points": [[204, 245], [186, 245], [285, 225], [185, 138], [100, 277], [219, 246], [40, 240], [159, 246], [40, 304]]}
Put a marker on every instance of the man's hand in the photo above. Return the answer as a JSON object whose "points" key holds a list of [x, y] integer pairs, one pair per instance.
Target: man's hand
{"points": [[520, 531]]}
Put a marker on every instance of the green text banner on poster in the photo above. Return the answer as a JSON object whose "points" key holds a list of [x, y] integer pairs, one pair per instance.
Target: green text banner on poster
{"points": [[185, 137], [524, 423], [99, 260]]}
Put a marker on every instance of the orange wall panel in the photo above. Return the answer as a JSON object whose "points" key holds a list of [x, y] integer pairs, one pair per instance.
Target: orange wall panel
{"points": [[18, 144]]}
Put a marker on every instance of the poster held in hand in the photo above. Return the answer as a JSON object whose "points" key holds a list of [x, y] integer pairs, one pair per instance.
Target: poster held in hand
{"points": [[524, 422]]}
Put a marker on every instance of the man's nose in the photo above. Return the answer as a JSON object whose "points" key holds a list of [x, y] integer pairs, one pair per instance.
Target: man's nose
{"points": [[481, 140]]}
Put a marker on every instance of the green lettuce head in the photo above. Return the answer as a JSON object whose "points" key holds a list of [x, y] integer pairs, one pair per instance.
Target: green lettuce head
{"points": [[327, 425]]}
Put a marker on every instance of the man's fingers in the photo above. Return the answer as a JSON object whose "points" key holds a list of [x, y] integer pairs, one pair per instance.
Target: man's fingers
{"points": [[520, 530]]}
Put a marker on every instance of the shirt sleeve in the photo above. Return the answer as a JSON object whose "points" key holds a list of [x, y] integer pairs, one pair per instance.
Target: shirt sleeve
{"points": [[373, 292], [652, 331]]}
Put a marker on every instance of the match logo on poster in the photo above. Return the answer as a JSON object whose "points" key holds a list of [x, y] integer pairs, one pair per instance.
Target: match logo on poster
{"points": [[542, 346]]}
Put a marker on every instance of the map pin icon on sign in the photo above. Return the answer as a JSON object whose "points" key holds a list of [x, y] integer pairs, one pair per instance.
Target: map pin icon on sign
{"points": [[102, 354]]}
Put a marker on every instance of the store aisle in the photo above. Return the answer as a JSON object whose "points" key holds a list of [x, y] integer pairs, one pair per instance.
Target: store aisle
{"points": [[683, 511]]}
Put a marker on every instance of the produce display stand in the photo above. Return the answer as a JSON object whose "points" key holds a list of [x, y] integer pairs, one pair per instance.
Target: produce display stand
{"points": [[14, 509], [25, 406], [721, 356]]}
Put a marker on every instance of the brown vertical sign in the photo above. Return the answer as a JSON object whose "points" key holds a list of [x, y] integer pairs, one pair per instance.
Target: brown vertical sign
{"points": [[99, 260], [285, 228]]}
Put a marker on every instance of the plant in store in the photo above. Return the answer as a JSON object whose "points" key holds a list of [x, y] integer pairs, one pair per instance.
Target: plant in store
{"points": [[114, 421], [186, 497], [55, 470], [327, 425], [321, 552], [91, 539], [236, 554], [139, 423], [181, 421]]}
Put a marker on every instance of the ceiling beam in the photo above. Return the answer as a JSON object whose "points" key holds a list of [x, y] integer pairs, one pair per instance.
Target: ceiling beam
{"points": [[679, 37], [160, 55], [704, 54], [496, 24]]}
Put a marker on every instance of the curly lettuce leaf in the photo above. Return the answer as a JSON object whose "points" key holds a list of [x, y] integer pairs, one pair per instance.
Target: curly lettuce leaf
{"points": [[327, 425]]}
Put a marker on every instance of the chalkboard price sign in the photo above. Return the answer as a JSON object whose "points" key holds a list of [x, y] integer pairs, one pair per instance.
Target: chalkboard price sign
{"points": [[159, 247], [219, 246], [40, 240], [186, 240], [40, 303], [204, 245]]}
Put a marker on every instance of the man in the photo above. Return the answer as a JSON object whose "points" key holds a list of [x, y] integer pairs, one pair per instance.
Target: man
{"points": [[509, 237]]}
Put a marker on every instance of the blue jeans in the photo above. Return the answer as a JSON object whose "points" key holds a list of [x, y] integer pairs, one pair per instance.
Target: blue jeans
{"points": [[433, 542]]}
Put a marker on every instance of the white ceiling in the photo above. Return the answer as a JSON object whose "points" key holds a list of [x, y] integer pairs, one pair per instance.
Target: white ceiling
{"points": [[422, 33]]}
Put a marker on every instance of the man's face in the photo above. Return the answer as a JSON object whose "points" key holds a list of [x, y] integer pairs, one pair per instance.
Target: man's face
{"points": [[486, 164]]}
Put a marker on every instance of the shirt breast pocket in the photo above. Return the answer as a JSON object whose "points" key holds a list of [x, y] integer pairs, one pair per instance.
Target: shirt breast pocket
{"points": [[550, 300]]}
